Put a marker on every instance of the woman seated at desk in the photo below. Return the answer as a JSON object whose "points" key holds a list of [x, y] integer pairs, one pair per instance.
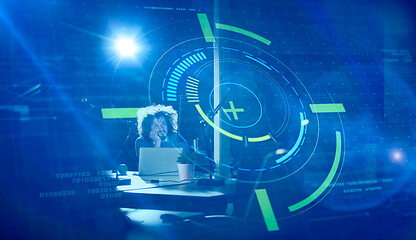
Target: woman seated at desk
{"points": [[157, 128]]}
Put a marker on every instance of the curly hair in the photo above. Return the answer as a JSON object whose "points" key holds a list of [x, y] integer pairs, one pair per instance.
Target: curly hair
{"points": [[145, 117]]}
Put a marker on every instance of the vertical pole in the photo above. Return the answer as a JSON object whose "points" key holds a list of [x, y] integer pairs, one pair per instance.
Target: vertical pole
{"points": [[221, 142], [217, 90]]}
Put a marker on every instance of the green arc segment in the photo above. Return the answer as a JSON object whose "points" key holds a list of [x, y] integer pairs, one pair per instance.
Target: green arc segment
{"points": [[198, 108], [243, 31], [259, 139], [236, 137], [267, 210], [326, 182]]}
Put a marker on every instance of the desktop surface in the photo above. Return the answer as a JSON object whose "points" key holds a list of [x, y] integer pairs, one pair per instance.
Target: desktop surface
{"points": [[168, 193]]}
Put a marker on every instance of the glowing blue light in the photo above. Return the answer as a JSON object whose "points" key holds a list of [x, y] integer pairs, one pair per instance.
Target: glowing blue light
{"points": [[397, 156], [305, 122], [126, 47]]}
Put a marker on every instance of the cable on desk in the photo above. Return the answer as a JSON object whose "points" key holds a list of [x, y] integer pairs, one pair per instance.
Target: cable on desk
{"points": [[155, 174], [178, 182]]}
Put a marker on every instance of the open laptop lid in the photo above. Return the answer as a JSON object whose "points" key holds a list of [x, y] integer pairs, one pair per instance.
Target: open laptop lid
{"points": [[158, 161]]}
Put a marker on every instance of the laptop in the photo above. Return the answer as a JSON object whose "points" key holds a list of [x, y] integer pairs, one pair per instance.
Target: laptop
{"points": [[159, 161]]}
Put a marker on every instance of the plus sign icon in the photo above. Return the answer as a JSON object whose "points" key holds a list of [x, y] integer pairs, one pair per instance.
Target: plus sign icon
{"points": [[233, 110], [242, 108]]}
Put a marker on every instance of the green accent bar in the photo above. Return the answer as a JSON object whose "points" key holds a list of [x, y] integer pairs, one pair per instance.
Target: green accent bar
{"points": [[244, 32], [266, 210], [327, 181], [193, 78], [327, 108], [206, 28], [112, 113]]}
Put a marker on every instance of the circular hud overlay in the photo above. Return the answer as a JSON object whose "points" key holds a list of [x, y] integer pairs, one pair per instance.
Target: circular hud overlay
{"points": [[262, 101], [265, 110]]}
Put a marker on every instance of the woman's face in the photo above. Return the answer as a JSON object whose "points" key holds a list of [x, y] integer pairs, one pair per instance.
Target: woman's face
{"points": [[160, 126]]}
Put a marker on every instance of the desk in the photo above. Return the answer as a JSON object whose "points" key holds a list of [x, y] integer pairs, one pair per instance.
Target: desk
{"points": [[170, 194]]}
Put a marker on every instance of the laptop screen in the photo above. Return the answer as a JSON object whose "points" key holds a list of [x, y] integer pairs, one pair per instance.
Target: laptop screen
{"points": [[158, 161]]}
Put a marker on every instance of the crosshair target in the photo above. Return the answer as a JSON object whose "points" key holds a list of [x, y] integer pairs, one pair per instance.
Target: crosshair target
{"points": [[262, 101]]}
